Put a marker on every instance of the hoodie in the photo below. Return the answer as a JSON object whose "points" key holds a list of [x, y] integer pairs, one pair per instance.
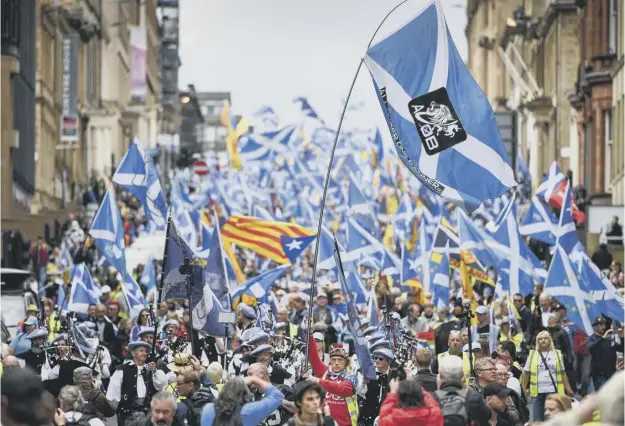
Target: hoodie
{"points": [[391, 415]]}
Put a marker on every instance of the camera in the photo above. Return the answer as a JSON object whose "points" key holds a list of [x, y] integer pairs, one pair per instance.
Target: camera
{"points": [[397, 373]]}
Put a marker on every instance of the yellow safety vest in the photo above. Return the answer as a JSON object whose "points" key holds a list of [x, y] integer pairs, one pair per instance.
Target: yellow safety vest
{"points": [[54, 325], [466, 364], [352, 405], [293, 330], [172, 389], [534, 360], [517, 339]]}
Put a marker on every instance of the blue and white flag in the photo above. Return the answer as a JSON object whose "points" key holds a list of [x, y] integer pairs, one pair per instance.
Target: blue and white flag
{"points": [[367, 367], [550, 182], [440, 283], [566, 235], [372, 310], [216, 272], [442, 124], [84, 291], [148, 276], [108, 231], [307, 110], [539, 223], [563, 284], [137, 174], [259, 286]]}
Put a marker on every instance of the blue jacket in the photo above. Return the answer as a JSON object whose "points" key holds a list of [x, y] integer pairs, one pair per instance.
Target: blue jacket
{"points": [[252, 413]]}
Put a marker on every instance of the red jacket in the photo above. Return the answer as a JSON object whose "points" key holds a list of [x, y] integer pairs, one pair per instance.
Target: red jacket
{"points": [[337, 388], [428, 415]]}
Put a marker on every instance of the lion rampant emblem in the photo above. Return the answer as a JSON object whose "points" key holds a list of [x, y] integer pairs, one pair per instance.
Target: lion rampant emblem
{"points": [[439, 117]]}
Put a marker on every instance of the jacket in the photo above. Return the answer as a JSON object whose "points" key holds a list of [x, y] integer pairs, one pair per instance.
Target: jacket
{"points": [[252, 413], [427, 380], [477, 409], [391, 415], [561, 341]]}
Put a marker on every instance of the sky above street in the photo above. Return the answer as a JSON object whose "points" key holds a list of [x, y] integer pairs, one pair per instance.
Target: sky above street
{"points": [[266, 52]]}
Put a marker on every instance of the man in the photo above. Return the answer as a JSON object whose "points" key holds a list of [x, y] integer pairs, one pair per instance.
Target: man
{"points": [[484, 331], [104, 326], [35, 357], [95, 400], [113, 313], [602, 257], [91, 313], [496, 395], [427, 317], [505, 377], [39, 256], [23, 402], [615, 234], [195, 396], [424, 375], [297, 315], [162, 409], [309, 398], [324, 320], [133, 384], [487, 374], [246, 317], [411, 323], [524, 312], [282, 414], [451, 380], [371, 393], [602, 353], [455, 348], [278, 375]]}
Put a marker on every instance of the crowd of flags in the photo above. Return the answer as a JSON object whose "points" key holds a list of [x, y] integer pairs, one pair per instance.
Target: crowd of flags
{"points": [[421, 218]]}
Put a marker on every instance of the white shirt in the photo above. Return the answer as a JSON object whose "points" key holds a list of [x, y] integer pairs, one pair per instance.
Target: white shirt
{"points": [[114, 391], [514, 384], [545, 385]]}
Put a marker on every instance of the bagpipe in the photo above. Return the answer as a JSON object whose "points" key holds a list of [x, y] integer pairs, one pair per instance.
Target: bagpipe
{"points": [[403, 344]]}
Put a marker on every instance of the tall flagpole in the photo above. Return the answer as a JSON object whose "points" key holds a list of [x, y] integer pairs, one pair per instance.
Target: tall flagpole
{"points": [[159, 288], [327, 181]]}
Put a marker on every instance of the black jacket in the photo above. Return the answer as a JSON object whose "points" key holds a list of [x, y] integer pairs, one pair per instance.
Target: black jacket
{"points": [[562, 343], [427, 380], [477, 409]]}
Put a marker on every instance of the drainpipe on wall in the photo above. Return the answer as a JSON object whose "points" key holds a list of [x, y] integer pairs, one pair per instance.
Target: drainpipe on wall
{"points": [[556, 111]]}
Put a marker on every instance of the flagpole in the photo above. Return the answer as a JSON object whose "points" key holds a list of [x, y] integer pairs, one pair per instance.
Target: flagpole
{"points": [[223, 263], [160, 287], [327, 181]]}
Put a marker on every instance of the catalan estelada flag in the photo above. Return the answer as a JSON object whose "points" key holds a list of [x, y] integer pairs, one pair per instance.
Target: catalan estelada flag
{"points": [[279, 241]]}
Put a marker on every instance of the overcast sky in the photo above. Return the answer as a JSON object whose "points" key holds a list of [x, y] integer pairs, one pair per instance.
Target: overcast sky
{"points": [[266, 52]]}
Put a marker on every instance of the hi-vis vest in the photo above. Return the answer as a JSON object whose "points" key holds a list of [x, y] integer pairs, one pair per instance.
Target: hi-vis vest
{"points": [[352, 405], [466, 364], [534, 359], [172, 389], [517, 339]]}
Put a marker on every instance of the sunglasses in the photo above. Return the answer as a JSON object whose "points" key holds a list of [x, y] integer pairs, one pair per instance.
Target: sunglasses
{"points": [[379, 358]]}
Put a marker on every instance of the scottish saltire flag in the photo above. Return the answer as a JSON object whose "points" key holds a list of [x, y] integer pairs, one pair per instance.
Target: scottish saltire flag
{"points": [[80, 340], [307, 110], [107, 231], [566, 235], [442, 124], [267, 117], [260, 285], [148, 275], [608, 301], [187, 226], [266, 146], [137, 174], [134, 302], [550, 182], [372, 310], [539, 222], [216, 273], [205, 306], [423, 253], [326, 250], [66, 256], [84, 292], [367, 367], [440, 283], [563, 284]]}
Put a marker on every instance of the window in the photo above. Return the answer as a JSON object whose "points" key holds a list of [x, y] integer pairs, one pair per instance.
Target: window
{"points": [[608, 140], [612, 24]]}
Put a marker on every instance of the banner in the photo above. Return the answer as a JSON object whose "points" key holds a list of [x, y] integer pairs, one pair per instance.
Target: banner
{"points": [[138, 63], [69, 91]]}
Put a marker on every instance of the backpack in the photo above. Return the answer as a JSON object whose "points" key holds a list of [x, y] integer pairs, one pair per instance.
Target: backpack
{"points": [[83, 421], [196, 403], [453, 406]]}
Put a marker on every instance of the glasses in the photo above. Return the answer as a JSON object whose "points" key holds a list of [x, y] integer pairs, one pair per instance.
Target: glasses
{"points": [[488, 370], [518, 300], [379, 358]]}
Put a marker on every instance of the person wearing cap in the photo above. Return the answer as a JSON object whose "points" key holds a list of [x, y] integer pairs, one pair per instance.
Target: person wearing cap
{"points": [[486, 374], [496, 396], [371, 393], [476, 351], [297, 316], [324, 319], [96, 402], [278, 375], [340, 386], [35, 357], [602, 350], [544, 373], [20, 344], [246, 317], [133, 385], [484, 330], [320, 346]]}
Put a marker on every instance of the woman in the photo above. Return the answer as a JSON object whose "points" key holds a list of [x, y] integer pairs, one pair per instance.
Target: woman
{"points": [[71, 404], [235, 406], [143, 320], [408, 404], [556, 403], [544, 373]]}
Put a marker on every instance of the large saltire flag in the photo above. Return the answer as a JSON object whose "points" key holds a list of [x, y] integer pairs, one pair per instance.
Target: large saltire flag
{"points": [[278, 241], [442, 124]]}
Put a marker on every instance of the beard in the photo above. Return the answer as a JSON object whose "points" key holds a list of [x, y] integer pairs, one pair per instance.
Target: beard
{"points": [[159, 422]]}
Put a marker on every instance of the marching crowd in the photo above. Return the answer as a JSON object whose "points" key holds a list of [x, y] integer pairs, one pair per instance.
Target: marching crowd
{"points": [[433, 366]]}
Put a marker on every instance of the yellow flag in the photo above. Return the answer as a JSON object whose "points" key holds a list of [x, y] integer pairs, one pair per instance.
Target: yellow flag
{"points": [[387, 239]]}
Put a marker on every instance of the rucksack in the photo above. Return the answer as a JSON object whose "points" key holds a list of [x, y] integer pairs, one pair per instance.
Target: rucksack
{"points": [[196, 403], [453, 406], [83, 421]]}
